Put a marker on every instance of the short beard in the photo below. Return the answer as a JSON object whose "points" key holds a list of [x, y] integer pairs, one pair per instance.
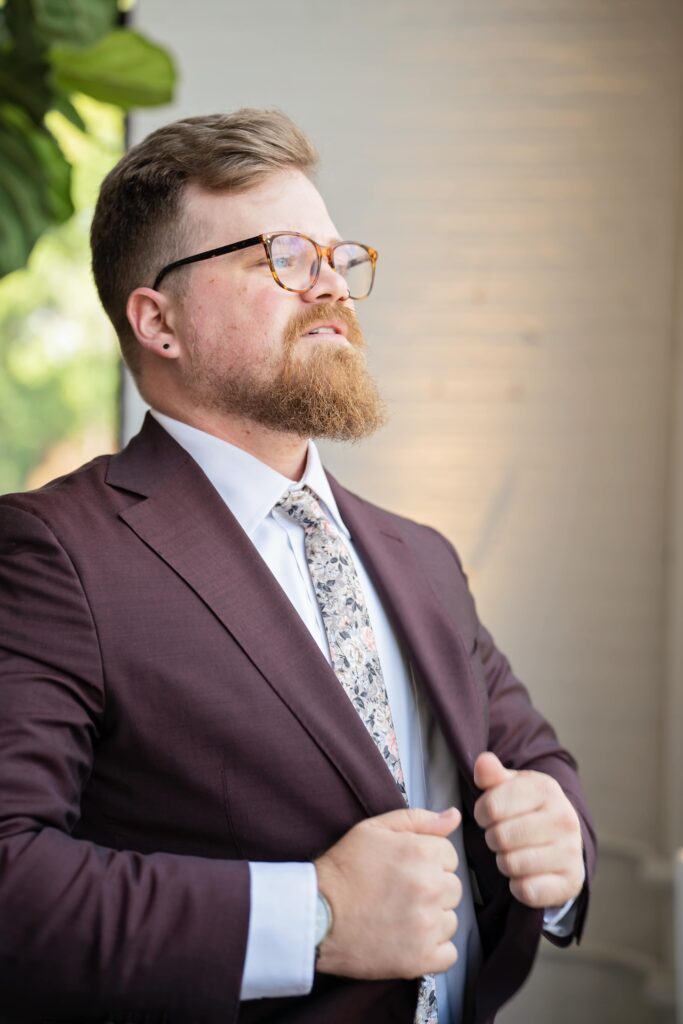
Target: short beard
{"points": [[328, 393]]}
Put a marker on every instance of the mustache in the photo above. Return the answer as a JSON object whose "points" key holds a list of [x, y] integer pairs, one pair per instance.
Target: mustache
{"points": [[302, 322]]}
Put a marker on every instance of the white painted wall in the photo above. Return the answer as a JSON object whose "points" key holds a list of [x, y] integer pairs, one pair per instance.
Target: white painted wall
{"points": [[517, 164]]}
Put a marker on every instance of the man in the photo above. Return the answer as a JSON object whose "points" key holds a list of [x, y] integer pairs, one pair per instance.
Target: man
{"points": [[260, 759]]}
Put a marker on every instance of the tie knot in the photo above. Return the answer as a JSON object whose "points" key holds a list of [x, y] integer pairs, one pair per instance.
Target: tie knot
{"points": [[303, 507]]}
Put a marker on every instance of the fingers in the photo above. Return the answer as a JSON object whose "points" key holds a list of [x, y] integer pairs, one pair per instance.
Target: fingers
{"points": [[517, 833], [489, 771], [440, 852], [535, 860], [392, 884], [541, 891], [523, 794], [445, 956], [452, 892], [450, 859], [534, 831], [420, 820], [449, 926]]}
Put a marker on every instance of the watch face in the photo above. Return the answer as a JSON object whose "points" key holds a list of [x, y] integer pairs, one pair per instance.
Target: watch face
{"points": [[323, 918]]}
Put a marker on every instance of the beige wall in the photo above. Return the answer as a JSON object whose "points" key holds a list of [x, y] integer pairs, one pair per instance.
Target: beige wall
{"points": [[517, 164]]}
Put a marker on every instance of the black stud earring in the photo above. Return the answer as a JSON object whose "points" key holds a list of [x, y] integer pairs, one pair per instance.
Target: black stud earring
{"points": [[166, 345]]}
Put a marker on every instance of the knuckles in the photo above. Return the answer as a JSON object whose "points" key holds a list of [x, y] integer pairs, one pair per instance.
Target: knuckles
{"points": [[451, 956], [423, 891], [452, 923], [422, 923], [452, 893], [505, 864], [423, 854], [548, 785], [453, 859], [568, 821], [484, 810], [496, 837], [526, 891]]}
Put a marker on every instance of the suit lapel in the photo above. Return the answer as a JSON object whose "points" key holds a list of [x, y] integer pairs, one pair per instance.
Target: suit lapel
{"points": [[183, 519], [429, 635]]}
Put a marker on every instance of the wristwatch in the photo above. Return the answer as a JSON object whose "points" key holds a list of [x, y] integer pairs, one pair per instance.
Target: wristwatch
{"points": [[323, 921]]}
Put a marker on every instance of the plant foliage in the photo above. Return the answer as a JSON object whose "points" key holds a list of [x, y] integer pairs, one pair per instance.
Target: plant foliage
{"points": [[59, 367], [50, 50]]}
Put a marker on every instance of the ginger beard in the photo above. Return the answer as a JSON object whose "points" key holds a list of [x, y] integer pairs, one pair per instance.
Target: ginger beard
{"points": [[322, 388]]}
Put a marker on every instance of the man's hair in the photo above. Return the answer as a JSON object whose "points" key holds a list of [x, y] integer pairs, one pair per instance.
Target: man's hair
{"points": [[138, 226]]}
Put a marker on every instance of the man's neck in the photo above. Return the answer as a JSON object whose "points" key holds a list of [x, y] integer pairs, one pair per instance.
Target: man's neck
{"points": [[285, 453]]}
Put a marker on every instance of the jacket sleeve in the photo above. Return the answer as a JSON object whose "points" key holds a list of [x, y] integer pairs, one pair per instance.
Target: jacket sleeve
{"points": [[88, 932], [524, 740]]}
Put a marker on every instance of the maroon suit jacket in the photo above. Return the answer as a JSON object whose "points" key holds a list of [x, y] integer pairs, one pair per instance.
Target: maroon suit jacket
{"points": [[165, 717]]}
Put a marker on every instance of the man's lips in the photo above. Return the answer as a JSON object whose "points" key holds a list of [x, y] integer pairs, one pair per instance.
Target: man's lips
{"points": [[326, 330]]}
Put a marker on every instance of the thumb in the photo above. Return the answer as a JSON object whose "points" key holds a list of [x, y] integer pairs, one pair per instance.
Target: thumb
{"points": [[488, 771], [420, 820]]}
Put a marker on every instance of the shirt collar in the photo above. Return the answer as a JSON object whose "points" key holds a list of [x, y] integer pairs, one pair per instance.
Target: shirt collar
{"points": [[248, 486]]}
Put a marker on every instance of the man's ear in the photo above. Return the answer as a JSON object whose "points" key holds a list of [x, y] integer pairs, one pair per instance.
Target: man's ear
{"points": [[149, 314]]}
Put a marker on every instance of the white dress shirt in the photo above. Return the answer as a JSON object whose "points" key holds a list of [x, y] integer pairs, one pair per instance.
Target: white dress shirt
{"points": [[280, 946]]}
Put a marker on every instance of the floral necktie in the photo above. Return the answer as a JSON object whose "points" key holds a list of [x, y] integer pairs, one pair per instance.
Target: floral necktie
{"points": [[353, 650]]}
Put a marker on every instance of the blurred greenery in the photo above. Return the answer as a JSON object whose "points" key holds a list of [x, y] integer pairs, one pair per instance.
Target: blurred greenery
{"points": [[68, 72], [49, 50], [58, 354]]}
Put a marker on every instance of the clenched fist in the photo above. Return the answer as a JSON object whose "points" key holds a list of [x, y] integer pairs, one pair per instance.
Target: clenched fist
{"points": [[393, 890], [533, 830]]}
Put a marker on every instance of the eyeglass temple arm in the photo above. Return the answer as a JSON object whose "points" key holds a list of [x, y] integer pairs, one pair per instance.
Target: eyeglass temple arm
{"points": [[208, 255]]}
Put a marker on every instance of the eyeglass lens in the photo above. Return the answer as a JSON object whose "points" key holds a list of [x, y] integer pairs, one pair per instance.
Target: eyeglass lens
{"points": [[295, 261]]}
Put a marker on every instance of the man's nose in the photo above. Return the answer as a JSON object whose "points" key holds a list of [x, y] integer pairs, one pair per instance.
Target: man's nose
{"points": [[330, 286]]}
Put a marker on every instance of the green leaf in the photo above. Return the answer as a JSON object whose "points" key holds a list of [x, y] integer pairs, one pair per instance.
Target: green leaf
{"points": [[64, 106], [124, 68], [5, 37], [38, 24], [35, 186], [19, 22], [23, 83]]}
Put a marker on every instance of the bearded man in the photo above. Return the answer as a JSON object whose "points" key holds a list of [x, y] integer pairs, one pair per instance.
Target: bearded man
{"points": [[260, 759]]}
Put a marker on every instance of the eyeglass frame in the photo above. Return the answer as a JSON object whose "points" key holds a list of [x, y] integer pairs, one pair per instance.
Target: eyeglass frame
{"points": [[324, 252]]}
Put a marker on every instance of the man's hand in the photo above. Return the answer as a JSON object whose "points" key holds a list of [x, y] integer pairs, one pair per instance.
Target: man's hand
{"points": [[390, 882], [534, 831]]}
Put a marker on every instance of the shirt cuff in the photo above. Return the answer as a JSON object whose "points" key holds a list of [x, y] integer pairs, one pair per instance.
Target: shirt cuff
{"points": [[280, 957], [559, 921]]}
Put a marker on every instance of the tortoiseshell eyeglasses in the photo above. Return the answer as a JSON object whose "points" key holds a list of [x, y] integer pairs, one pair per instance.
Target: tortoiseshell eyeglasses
{"points": [[295, 261]]}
